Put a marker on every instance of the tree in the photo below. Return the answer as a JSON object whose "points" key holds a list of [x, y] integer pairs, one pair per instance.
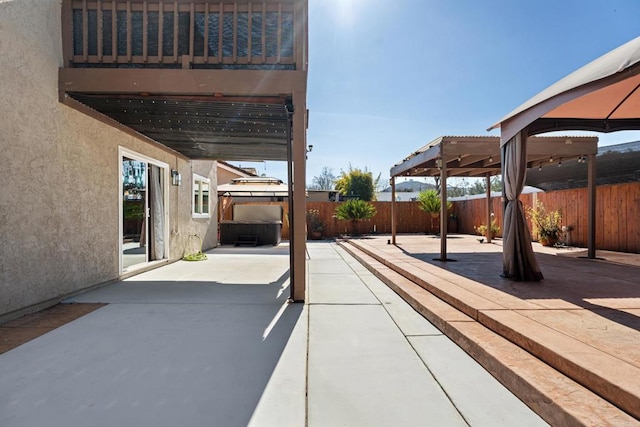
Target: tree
{"points": [[479, 186], [356, 183], [429, 202], [325, 181], [496, 183], [380, 184], [355, 211]]}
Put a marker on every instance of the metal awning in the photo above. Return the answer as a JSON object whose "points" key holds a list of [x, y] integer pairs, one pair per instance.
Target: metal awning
{"points": [[615, 164], [479, 156], [202, 128]]}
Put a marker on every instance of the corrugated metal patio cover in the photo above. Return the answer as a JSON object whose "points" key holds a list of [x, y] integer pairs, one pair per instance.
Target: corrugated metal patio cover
{"points": [[602, 96], [201, 127]]}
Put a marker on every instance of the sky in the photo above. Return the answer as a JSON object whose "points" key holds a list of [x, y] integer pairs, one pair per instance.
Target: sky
{"points": [[388, 76]]}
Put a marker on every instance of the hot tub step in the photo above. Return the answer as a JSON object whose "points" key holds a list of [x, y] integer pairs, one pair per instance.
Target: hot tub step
{"points": [[247, 240]]}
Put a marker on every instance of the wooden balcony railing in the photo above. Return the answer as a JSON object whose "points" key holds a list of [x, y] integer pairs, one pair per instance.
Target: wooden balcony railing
{"points": [[184, 34]]}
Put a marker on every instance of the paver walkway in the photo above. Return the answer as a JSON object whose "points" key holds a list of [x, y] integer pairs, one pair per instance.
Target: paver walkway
{"points": [[582, 319]]}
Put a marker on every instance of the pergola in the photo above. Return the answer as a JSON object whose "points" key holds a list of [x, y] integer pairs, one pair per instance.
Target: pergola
{"points": [[184, 78], [602, 96], [479, 156]]}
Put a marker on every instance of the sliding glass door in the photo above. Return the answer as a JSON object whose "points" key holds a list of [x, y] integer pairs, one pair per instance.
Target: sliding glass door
{"points": [[143, 212]]}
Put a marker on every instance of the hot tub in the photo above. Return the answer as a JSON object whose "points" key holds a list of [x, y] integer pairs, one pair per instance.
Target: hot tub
{"points": [[253, 225]]}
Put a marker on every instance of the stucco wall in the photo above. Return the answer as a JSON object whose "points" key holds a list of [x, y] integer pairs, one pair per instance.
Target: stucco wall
{"points": [[59, 212], [225, 176]]}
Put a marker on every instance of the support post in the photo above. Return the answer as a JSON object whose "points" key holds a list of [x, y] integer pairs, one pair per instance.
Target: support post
{"points": [[488, 184], [290, 221], [393, 210], [591, 238], [297, 234], [443, 208]]}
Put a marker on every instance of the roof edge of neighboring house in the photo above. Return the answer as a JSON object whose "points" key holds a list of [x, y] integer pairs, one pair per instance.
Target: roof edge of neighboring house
{"points": [[235, 169]]}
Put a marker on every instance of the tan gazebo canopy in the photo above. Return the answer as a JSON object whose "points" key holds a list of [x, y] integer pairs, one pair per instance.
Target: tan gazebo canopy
{"points": [[602, 96]]}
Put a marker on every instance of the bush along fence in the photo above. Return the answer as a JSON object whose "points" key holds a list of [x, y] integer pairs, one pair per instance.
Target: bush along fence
{"points": [[617, 216]]}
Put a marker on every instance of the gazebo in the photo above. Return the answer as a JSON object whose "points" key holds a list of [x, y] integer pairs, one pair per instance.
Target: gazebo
{"points": [[602, 96], [479, 156]]}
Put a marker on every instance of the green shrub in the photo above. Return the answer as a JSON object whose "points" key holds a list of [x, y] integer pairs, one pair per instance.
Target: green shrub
{"points": [[355, 211]]}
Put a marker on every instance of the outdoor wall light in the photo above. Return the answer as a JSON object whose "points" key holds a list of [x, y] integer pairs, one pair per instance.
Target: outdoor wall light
{"points": [[439, 163], [176, 178], [310, 148]]}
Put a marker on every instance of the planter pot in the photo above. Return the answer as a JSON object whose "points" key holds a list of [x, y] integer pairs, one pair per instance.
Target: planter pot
{"points": [[315, 235], [548, 241]]}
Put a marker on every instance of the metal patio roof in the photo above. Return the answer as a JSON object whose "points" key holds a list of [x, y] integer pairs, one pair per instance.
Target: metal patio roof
{"points": [[202, 128], [479, 156]]}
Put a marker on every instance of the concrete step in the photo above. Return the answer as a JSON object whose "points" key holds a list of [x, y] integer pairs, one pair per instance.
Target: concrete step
{"points": [[536, 363]]}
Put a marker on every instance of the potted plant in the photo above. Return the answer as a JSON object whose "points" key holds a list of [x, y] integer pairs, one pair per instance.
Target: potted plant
{"points": [[452, 223], [494, 229], [355, 211], [314, 224], [429, 202], [546, 223]]}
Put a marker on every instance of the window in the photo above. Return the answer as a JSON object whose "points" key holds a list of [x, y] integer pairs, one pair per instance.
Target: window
{"points": [[201, 196]]}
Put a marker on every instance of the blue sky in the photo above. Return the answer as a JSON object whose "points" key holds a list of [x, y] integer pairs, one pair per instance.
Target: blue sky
{"points": [[388, 76]]}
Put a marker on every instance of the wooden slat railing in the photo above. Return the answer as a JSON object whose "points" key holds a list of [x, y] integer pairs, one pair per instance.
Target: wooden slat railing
{"points": [[184, 34]]}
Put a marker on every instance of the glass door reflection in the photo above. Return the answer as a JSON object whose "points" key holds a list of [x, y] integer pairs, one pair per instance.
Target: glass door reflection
{"points": [[134, 212]]}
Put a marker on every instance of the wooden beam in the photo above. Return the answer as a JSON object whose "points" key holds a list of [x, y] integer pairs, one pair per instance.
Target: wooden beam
{"points": [[175, 31], [561, 146], [249, 32], [129, 31], [85, 30], [205, 53], [298, 231], [443, 212], [181, 82], [220, 30], [114, 31], [160, 29], [393, 210], [418, 160], [591, 189], [67, 33], [488, 184], [100, 29]]}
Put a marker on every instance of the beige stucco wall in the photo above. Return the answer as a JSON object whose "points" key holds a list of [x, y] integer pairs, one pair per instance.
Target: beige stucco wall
{"points": [[225, 176], [59, 212]]}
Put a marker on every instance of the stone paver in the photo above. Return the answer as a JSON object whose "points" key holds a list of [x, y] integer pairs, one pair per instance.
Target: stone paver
{"points": [[581, 319]]}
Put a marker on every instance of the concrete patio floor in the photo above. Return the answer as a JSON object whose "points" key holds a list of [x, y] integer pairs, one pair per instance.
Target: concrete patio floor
{"points": [[582, 320], [215, 343]]}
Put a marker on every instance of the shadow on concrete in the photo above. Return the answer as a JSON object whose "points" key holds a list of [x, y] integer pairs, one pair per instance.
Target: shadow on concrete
{"points": [[162, 353]]}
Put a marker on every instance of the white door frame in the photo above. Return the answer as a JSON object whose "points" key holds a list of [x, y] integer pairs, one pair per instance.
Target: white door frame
{"points": [[125, 152]]}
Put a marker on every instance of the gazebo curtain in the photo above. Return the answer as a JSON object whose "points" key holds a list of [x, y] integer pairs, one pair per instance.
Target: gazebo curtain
{"points": [[519, 262]]}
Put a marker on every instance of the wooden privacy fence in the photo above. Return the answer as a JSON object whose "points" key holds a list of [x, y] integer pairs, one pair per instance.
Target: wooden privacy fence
{"points": [[617, 216]]}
